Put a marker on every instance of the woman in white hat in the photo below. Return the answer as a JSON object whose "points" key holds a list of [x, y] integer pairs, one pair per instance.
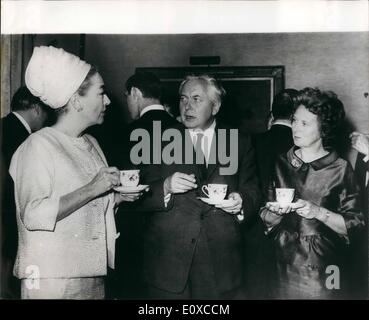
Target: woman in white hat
{"points": [[63, 186]]}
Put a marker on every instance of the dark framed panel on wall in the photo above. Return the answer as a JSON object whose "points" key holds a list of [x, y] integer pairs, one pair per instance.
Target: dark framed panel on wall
{"points": [[250, 91]]}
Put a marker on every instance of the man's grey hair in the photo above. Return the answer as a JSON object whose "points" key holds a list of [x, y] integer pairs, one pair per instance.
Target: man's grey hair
{"points": [[214, 89]]}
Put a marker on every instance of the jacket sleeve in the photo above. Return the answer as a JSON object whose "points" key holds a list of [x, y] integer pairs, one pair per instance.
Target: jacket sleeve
{"points": [[33, 174], [248, 181], [349, 204]]}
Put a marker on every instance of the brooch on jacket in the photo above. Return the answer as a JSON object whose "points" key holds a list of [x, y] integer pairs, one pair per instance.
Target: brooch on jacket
{"points": [[296, 163]]}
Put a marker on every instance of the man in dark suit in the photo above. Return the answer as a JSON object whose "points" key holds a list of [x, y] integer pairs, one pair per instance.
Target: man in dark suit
{"points": [[28, 115], [360, 142], [143, 94], [359, 258], [268, 145], [278, 139], [192, 250]]}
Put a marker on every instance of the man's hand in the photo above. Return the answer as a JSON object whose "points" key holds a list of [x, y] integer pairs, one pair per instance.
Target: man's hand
{"points": [[360, 142], [179, 183], [234, 207]]}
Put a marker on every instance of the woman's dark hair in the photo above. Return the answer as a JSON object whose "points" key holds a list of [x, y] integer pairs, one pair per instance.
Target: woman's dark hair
{"points": [[329, 110], [23, 99], [82, 90], [148, 83]]}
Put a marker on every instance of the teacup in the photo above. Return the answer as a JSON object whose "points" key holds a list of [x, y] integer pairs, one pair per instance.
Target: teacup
{"points": [[284, 196], [215, 191], [129, 178]]}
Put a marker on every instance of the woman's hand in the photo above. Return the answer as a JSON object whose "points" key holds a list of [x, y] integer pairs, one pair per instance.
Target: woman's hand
{"points": [[277, 209], [307, 209], [235, 207], [105, 179], [272, 214], [127, 197]]}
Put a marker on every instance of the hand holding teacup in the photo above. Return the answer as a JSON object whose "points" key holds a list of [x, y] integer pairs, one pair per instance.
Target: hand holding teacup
{"points": [[284, 197], [106, 179], [126, 197], [234, 207], [277, 209], [128, 179], [215, 191]]}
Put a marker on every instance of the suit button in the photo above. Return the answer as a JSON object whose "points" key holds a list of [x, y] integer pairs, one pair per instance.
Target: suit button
{"points": [[193, 240]]}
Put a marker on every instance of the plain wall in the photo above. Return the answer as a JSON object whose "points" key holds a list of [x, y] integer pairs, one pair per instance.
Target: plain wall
{"points": [[330, 61]]}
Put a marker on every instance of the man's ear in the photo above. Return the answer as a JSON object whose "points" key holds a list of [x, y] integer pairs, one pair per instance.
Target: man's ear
{"points": [[36, 109], [136, 93], [216, 107], [76, 102]]}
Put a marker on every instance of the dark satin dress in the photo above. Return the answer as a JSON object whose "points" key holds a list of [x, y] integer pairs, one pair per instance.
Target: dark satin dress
{"points": [[305, 247]]}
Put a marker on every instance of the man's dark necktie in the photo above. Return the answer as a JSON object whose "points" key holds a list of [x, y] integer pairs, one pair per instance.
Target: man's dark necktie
{"points": [[200, 157]]}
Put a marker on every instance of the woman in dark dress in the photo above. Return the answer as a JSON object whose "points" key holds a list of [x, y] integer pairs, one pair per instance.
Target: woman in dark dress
{"points": [[315, 231]]}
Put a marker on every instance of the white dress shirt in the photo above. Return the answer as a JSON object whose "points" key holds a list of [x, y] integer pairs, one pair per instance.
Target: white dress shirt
{"points": [[286, 123], [206, 141], [152, 107]]}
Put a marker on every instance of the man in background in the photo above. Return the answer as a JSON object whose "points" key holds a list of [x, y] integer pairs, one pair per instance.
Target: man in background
{"points": [[359, 259], [360, 142], [143, 94], [278, 139], [28, 114], [268, 145]]}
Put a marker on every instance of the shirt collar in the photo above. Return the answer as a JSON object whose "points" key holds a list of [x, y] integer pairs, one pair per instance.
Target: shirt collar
{"points": [[152, 107], [317, 164], [207, 132], [286, 123], [24, 122]]}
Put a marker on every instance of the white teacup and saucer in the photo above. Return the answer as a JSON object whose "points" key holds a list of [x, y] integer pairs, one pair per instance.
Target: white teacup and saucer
{"points": [[129, 180], [216, 193], [284, 197]]}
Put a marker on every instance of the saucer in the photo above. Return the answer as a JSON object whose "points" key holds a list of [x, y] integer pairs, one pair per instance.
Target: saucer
{"points": [[135, 189], [292, 204], [216, 202]]}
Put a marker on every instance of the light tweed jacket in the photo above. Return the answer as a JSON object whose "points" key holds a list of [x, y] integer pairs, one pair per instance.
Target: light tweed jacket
{"points": [[48, 165]]}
